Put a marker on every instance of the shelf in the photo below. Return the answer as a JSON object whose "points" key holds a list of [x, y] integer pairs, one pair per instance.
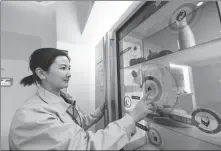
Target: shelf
{"points": [[183, 94], [201, 52], [133, 66]]}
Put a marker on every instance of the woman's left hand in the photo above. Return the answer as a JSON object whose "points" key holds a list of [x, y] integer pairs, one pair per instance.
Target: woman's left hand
{"points": [[103, 106]]}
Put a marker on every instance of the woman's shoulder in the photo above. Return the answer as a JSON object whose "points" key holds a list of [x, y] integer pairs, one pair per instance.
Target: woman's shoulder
{"points": [[36, 105], [32, 110], [32, 105], [30, 114], [32, 102]]}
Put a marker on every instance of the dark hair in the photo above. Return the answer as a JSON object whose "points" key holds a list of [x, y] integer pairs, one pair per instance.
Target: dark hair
{"points": [[42, 58]]}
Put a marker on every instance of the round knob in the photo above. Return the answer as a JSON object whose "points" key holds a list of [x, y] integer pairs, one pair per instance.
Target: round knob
{"points": [[154, 137]]}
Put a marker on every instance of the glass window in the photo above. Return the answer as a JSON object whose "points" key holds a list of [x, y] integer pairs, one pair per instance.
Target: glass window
{"points": [[173, 49]]}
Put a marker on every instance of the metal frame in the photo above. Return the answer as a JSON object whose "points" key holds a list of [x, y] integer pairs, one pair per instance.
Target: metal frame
{"points": [[145, 10]]}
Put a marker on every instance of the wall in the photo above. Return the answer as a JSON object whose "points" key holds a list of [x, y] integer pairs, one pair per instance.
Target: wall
{"points": [[83, 11], [12, 97], [102, 18], [16, 46], [19, 19], [15, 51], [67, 26], [23, 29]]}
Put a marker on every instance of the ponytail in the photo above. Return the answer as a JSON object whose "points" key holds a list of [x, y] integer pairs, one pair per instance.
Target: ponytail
{"points": [[29, 80]]}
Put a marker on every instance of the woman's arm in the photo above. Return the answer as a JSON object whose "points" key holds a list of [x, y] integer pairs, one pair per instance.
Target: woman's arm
{"points": [[36, 130], [89, 119]]}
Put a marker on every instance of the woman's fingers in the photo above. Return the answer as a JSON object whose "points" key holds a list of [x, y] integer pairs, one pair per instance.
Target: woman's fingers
{"points": [[144, 98], [151, 108], [146, 95]]}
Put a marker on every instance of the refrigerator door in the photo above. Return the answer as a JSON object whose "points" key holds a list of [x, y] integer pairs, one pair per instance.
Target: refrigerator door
{"points": [[106, 79]]}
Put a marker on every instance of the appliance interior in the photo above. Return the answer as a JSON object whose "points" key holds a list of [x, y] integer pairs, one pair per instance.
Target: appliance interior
{"points": [[180, 68]]}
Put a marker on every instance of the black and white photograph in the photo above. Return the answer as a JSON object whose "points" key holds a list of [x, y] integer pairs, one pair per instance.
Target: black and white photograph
{"points": [[110, 75]]}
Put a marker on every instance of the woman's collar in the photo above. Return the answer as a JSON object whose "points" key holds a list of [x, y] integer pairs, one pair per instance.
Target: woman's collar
{"points": [[48, 96], [53, 99]]}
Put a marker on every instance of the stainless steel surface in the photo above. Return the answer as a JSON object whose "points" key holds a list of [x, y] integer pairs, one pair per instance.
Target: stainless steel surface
{"points": [[110, 77]]}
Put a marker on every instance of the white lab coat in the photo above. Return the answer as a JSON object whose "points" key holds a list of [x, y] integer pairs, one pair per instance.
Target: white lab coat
{"points": [[42, 123]]}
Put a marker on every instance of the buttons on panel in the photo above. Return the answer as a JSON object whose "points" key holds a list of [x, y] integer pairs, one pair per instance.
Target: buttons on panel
{"points": [[127, 101]]}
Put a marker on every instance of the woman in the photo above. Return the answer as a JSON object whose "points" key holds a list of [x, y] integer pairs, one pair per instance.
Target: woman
{"points": [[51, 120]]}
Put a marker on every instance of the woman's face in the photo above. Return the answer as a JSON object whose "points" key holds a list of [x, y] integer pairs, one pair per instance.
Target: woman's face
{"points": [[58, 75]]}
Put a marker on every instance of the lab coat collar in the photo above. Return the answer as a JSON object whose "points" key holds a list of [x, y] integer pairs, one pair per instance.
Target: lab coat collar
{"points": [[52, 99]]}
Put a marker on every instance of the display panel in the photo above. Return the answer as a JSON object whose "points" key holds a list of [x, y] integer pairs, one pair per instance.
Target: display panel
{"points": [[176, 57]]}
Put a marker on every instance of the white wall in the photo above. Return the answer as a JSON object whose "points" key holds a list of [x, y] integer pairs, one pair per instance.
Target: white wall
{"points": [[19, 17], [15, 52], [83, 11], [23, 29], [16, 46], [68, 28], [12, 97], [103, 16]]}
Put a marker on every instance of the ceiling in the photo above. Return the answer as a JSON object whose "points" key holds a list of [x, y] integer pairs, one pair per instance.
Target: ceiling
{"points": [[158, 20], [42, 8]]}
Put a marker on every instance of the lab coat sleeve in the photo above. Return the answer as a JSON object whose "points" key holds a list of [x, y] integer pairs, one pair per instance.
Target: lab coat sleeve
{"points": [[89, 119], [42, 131]]}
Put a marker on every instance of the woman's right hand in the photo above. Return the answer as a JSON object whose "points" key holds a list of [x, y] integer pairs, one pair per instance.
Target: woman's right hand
{"points": [[142, 108]]}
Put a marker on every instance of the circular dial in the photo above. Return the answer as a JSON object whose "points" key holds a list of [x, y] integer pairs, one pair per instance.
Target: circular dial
{"points": [[206, 120], [152, 86], [154, 137], [135, 50], [183, 16], [161, 86]]}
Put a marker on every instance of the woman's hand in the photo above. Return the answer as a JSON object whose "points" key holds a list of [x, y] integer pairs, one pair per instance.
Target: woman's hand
{"points": [[142, 108], [103, 106]]}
